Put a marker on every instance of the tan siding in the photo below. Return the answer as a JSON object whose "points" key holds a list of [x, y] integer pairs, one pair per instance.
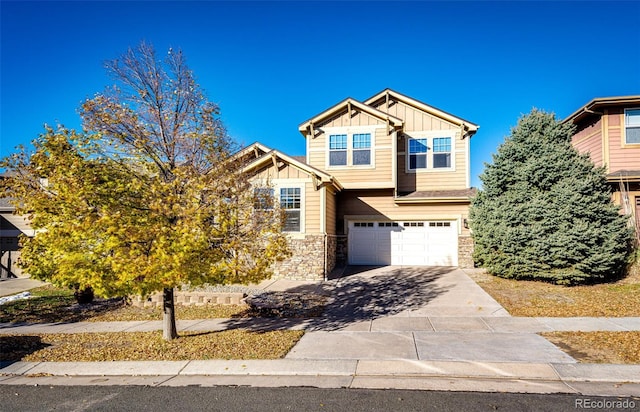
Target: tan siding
{"points": [[433, 180], [269, 173], [331, 210], [379, 204], [344, 120], [357, 176], [415, 119], [312, 209]]}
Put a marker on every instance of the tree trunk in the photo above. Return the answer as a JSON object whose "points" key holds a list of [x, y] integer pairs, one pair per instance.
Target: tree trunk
{"points": [[169, 330]]}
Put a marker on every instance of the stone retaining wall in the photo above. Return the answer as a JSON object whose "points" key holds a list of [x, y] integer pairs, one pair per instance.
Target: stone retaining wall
{"points": [[190, 299]]}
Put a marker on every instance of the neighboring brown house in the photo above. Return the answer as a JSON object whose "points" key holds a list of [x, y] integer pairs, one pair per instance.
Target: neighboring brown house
{"points": [[608, 128], [385, 181]]}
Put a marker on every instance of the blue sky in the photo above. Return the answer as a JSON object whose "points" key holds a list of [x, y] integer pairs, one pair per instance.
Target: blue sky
{"points": [[272, 65]]}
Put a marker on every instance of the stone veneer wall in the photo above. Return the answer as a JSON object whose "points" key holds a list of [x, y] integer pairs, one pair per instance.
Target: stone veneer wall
{"points": [[332, 252], [306, 262], [465, 252]]}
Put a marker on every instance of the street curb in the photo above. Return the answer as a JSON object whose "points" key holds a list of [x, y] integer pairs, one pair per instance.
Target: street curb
{"points": [[583, 379]]}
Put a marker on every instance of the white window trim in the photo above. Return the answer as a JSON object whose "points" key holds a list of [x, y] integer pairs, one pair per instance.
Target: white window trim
{"points": [[294, 185], [345, 150], [624, 126], [430, 135], [350, 131]]}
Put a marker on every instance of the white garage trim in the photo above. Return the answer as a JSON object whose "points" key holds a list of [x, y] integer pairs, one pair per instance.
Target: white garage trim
{"points": [[415, 243]]}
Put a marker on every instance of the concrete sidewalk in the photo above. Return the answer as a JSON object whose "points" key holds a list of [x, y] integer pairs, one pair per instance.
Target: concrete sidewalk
{"points": [[393, 327]]}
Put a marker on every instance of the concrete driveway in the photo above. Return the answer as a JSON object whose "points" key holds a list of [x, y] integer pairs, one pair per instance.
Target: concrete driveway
{"points": [[417, 313]]}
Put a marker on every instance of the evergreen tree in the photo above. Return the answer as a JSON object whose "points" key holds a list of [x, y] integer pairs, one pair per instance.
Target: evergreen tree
{"points": [[545, 211]]}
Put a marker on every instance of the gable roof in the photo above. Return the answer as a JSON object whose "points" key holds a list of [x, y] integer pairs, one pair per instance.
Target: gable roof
{"points": [[470, 127], [258, 149], [599, 103], [347, 103], [273, 156]]}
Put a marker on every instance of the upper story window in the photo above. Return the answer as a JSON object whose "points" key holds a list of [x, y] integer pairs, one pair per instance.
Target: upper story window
{"points": [[441, 152], [290, 201], [338, 150], [417, 154], [429, 153], [632, 126], [351, 146], [361, 149]]}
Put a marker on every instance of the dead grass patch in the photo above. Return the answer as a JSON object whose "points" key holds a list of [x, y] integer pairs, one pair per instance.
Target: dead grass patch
{"points": [[147, 346], [539, 299], [598, 347]]}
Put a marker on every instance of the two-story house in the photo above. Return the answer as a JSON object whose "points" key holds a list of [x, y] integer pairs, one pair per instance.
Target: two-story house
{"points": [[608, 129], [385, 181]]}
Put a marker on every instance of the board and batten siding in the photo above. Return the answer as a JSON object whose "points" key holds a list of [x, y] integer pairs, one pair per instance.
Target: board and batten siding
{"points": [[269, 173], [414, 119], [357, 118]]}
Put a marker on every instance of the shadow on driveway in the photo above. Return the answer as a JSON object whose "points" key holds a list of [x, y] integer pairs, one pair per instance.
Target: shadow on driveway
{"points": [[363, 295]]}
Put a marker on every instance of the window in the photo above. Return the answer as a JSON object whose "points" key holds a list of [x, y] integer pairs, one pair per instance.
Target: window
{"points": [[290, 200], [632, 126], [263, 198], [388, 224], [417, 154], [441, 152], [430, 151], [351, 146], [338, 150], [361, 149], [363, 224], [439, 224]]}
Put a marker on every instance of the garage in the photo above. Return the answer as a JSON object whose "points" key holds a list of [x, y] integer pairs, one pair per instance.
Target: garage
{"points": [[421, 243]]}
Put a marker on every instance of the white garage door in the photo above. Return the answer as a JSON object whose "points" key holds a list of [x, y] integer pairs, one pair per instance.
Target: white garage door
{"points": [[403, 243]]}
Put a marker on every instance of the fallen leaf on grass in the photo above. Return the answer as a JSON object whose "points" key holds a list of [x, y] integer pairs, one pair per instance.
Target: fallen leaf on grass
{"points": [[141, 346], [598, 347]]}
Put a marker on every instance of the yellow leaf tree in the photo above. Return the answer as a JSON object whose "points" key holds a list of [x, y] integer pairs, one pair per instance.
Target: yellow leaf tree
{"points": [[148, 198]]}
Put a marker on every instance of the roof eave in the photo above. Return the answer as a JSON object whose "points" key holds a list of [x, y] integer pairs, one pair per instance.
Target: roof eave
{"points": [[267, 157], [600, 102], [304, 127]]}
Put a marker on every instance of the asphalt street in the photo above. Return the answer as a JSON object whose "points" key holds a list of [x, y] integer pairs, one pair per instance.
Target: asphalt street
{"points": [[141, 398]]}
